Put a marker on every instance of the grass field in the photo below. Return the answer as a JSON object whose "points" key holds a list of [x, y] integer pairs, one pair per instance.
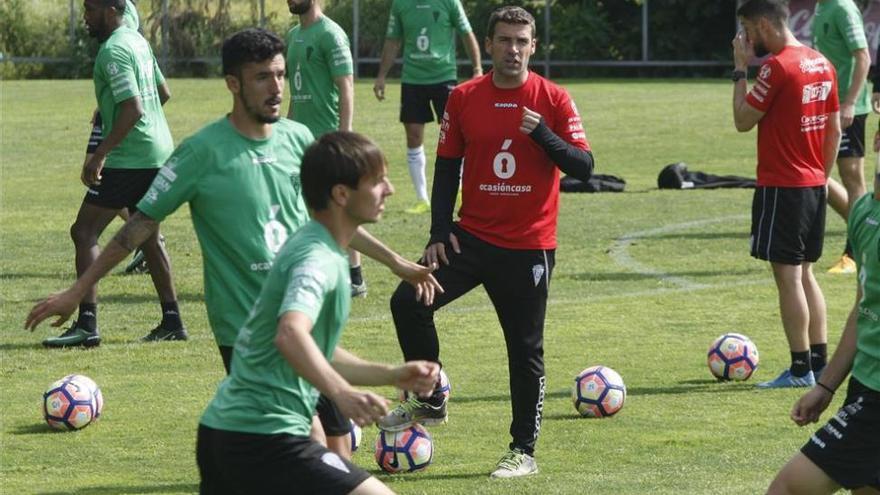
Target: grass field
{"points": [[645, 280]]}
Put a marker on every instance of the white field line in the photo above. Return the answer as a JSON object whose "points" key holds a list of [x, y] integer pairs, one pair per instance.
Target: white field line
{"points": [[619, 252]]}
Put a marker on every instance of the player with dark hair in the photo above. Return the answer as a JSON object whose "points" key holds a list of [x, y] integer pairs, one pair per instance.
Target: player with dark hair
{"points": [[839, 35], [254, 434], [130, 91], [846, 451], [240, 177], [794, 104], [426, 29], [515, 131]]}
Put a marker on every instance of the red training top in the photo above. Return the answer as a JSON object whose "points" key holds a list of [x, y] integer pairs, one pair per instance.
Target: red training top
{"points": [[510, 188], [797, 89]]}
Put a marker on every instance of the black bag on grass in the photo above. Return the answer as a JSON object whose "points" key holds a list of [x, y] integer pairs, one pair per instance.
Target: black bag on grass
{"points": [[676, 176], [596, 183]]}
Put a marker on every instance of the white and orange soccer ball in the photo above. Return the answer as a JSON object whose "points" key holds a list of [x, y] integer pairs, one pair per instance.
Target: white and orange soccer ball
{"points": [[404, 451], [72, 403], [732, 356], [598, 392]]}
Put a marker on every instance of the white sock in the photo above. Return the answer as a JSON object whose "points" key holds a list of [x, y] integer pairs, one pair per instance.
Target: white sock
{"points": [[415, 159]]}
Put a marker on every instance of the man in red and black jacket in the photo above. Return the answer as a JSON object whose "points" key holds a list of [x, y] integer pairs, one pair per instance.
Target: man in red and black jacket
{"points": [[514, 131]]}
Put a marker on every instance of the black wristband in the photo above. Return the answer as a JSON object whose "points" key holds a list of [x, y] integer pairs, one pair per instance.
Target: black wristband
{"points": [[826, 387]]}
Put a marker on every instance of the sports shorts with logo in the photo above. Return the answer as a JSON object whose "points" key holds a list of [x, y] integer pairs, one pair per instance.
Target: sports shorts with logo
{"points": [[852, 139], [120, 188], [788, 224], [416, 101], [234, 463], [847, 448]]}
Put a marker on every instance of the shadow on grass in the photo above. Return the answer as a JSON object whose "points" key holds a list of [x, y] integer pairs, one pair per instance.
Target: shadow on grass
{"points": [[20, 346], [459, 399], [47, 275], [433, 476], [700, 236], [108, 297], [35, 429], [692, 387], [634, 277], [114, 489]]}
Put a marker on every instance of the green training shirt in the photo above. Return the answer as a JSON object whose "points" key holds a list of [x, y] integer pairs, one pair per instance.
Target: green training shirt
{"points": [[837, 32], [130, 17], [428, 29], [864, 234], [125, 68], [315, 56], [245, 200], [264, 394]]}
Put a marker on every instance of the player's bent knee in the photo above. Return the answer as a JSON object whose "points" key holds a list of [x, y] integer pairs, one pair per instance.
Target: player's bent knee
{"points": [[404, 299]]}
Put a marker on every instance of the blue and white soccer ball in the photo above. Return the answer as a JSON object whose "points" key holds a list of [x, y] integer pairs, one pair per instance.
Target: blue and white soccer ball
{"points": [[404, 451], [72, 403], [732, 356], [598, 392]]}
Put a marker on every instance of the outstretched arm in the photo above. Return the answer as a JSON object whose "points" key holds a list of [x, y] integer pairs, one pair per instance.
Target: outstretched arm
{"points": [[136, 230], [417, 275]]}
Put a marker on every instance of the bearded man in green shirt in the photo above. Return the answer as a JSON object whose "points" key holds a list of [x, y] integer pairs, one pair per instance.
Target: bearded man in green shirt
{"points": [[130, 91], [240, 177]]}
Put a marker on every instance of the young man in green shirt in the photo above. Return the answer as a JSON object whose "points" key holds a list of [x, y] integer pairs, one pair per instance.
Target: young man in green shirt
{"points": [[839, 34], [427, 29], [130, 91], [846, 451], [321, 75], [240, 177], [254, 435]]}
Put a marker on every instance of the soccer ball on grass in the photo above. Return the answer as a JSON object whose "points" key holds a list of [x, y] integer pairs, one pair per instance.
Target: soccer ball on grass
{"points": [[598, 392], [72, 403]]}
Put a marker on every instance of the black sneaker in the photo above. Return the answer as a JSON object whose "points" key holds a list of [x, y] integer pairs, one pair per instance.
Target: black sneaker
{"points": [[74, 337], [138, 264], [160, 333]]}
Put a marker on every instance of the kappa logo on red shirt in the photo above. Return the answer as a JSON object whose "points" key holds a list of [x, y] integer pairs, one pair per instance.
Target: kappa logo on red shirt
{"points": [[818, 91]]}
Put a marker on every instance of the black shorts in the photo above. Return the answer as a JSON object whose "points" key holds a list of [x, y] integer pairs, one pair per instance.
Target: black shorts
{"points": [[788, 224], [416, 101], [97, 135], [233, 463], [852, 139], [847, 448], [120, 188], [332, 420]]}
